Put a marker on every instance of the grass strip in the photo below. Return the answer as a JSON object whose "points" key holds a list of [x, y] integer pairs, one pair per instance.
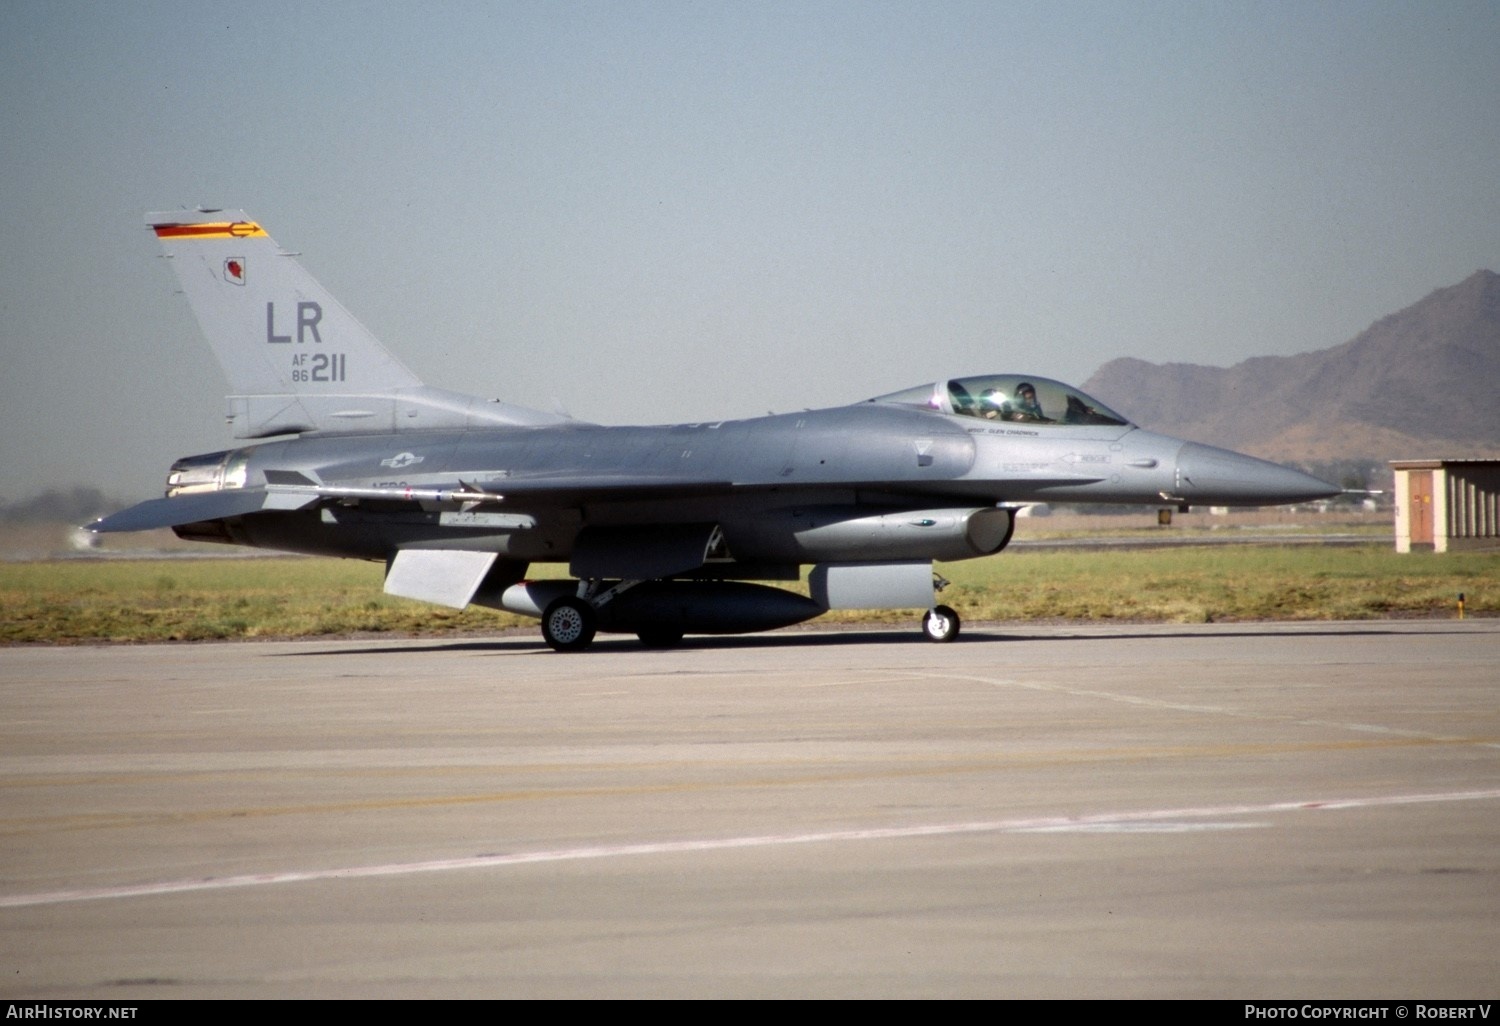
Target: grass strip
{"points": [[72, 602]]}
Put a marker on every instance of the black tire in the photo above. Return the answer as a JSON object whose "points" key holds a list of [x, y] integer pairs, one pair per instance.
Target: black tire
{"points": [[568, 624], [660, 637], [941, 624]]}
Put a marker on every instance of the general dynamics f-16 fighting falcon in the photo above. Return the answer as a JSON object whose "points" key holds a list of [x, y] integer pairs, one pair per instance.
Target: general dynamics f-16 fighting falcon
{"points": [[663, 528]]}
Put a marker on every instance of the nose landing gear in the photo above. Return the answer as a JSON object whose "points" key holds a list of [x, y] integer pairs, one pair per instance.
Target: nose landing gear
{"points": [[940, 624]]}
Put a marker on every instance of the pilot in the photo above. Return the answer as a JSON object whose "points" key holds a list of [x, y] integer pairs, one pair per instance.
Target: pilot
{"points": [[1025, 407]]}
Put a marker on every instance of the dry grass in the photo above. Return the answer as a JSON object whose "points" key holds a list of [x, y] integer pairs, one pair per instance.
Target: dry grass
{"points": [[74, 601]]}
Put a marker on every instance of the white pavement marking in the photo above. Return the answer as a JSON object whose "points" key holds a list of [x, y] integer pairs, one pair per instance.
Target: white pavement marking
{"points": [[1212, 710], [1098, 821]]}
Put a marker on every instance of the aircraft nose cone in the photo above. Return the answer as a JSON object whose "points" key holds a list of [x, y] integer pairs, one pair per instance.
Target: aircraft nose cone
{"points": [[1210, 476]]}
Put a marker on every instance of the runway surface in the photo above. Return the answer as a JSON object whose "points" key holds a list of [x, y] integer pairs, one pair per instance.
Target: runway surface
{"points": [[1231, 811]]}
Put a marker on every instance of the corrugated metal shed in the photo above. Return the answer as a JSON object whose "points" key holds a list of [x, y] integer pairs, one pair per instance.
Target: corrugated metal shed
{"points": [[1447, 505]]}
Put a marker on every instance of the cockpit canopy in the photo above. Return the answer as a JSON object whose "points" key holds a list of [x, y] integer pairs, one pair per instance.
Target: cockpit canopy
{"points": [[1008, 397]]}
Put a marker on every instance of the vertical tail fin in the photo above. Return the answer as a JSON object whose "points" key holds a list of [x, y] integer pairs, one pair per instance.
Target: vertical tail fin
{"points": [[296, 360]]}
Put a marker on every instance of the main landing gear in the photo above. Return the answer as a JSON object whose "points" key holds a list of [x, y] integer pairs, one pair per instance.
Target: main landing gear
{"points": [[568, 624]]}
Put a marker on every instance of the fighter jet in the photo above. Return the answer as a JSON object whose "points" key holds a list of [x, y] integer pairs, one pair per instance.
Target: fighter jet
{"points": [[665, 530]]}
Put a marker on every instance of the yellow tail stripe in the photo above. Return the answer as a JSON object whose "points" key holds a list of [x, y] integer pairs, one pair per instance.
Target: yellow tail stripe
{"points": [[217, 230]]}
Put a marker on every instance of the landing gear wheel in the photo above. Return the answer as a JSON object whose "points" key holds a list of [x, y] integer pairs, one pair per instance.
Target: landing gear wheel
{"points": [[568, 624], [660, 637], [940, 624]]}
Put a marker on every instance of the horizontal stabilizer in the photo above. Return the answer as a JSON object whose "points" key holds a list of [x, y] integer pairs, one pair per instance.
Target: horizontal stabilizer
{"points": [[188, 509]]}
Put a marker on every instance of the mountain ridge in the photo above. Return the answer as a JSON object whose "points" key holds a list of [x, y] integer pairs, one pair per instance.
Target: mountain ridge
{"points": [[1418, 382]]}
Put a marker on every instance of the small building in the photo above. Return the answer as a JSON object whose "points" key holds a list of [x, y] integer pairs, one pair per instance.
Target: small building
{"points": [[1447, 505]]}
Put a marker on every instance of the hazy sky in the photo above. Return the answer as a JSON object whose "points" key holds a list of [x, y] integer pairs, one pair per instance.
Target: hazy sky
{"points": [[686, 210]]}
